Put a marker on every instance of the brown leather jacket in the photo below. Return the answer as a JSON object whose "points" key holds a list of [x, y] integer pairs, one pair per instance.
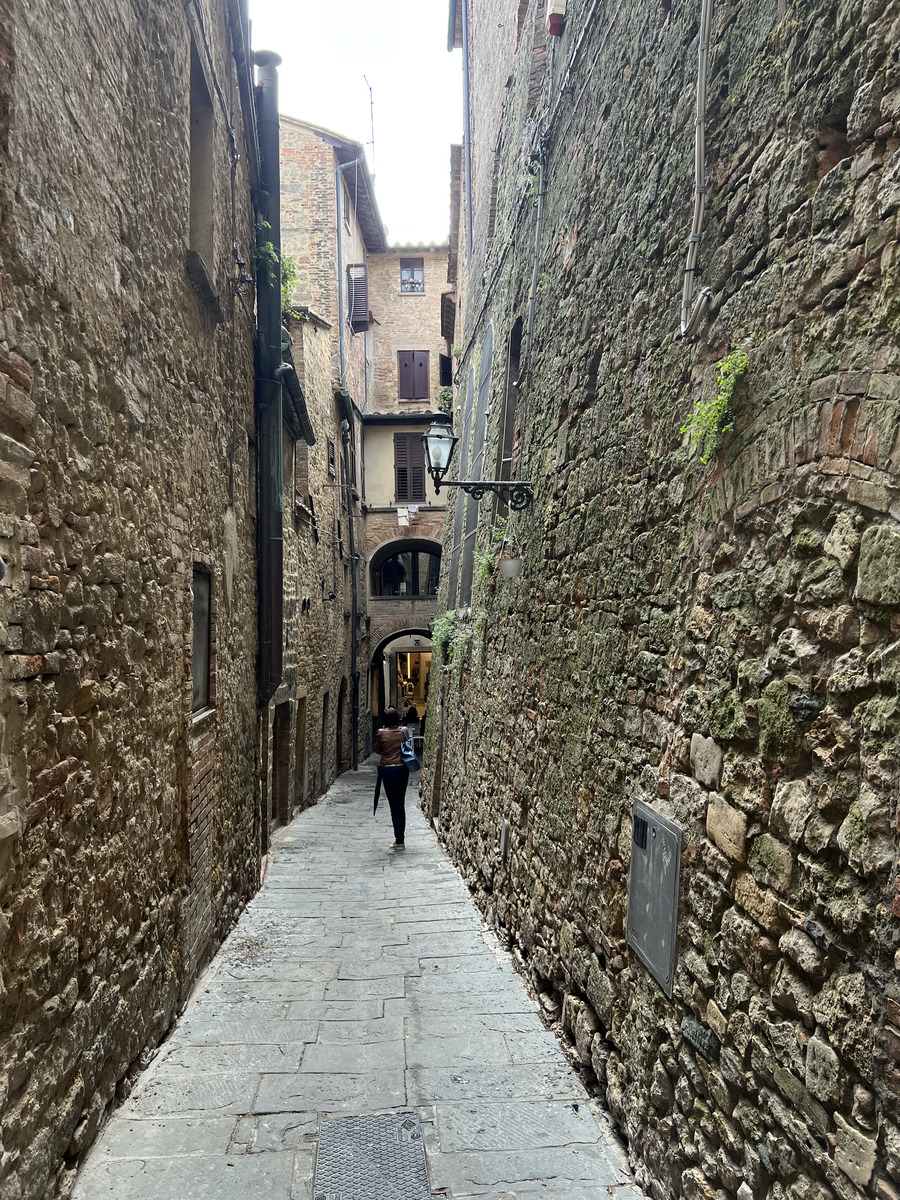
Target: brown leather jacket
{"points": [[387, 744]]}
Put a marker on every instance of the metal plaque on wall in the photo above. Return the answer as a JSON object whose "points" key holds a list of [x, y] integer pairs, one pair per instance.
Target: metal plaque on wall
{"points": [[653, 892]]}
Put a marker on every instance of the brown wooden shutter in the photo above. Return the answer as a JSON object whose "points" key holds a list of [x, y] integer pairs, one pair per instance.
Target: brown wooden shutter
{"points": [[358, 297], [416, 456], [401, 465], [406, 375], [420, 366]]}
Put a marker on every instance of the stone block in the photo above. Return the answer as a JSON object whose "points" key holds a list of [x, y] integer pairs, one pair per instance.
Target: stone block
{"points": [[855, 1151], [878, 578], [727, 828], [792, 806], [865, 837], [771, 863], [794, 1091], [803, 952], [706, 760]]}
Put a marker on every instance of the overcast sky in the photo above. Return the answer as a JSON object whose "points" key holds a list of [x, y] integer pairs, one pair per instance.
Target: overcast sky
{"points": [[400, 46]]}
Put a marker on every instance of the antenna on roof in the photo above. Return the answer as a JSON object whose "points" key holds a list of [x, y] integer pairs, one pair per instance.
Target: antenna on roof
{"points": [[371, 141]]}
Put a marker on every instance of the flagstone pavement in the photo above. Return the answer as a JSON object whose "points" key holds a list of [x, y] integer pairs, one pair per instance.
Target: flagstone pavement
{"points": [[358, 981]]}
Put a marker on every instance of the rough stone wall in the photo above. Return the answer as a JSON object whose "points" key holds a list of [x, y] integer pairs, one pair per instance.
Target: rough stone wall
{"points": [[317, 563], [125, 410], [718, 640], [406, 321]]}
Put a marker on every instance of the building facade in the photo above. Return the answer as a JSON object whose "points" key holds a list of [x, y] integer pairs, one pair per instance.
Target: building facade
{"points": [[130, 822], [685, 706], [389, 360]]}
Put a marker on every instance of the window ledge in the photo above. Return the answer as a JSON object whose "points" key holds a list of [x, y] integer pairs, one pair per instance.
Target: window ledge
{"points": [[199, 275], [202, 715]]}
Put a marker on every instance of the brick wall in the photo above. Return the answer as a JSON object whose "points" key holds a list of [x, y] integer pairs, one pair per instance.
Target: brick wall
{"points": [[406, 322]]}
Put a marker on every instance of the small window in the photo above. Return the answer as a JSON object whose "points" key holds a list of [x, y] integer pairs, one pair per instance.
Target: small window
{"points": [[202, 640], [412, 374], [409, 467], [332, 458], [358, 297], [445, 367], [201, 163], [412, 275]]}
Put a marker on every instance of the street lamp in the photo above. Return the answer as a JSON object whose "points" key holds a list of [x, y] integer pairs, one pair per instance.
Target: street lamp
{"points": [[439, 441]]}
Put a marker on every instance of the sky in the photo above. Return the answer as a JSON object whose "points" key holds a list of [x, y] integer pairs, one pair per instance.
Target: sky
{"points": [[329, 49]]}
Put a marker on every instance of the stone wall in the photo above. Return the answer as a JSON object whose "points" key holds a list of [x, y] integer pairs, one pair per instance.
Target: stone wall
{"points": [[129, 831], [717, 640]]}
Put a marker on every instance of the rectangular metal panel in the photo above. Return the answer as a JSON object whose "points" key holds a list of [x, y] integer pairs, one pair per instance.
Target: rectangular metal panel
{"points": [[372, 1158], [653, 892]]}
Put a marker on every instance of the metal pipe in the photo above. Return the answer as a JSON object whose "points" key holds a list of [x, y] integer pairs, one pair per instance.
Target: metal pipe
{"points": [[339, 207], [538, 233], [467, 123], [346, 434], [691, 320]]}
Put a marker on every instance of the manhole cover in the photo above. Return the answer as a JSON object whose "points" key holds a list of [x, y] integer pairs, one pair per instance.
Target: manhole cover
{"points": [[372, 1158]]}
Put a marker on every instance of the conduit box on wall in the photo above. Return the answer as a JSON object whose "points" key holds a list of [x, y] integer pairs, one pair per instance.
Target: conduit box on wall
{"points": [[653, 892]]}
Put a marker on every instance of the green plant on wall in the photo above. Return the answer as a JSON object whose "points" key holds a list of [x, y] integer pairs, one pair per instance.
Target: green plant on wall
{"points": [[485, 561], [711, 418], [265, 255], [288, 283]]}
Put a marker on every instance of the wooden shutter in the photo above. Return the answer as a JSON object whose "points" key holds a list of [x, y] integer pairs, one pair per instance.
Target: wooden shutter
{"points": [[420, 367], [416, 457], [358, 297], [401, 465], [406, 375]]}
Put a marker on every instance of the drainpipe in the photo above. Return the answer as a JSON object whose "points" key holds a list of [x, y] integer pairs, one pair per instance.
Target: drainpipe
{"points": [[467, 124], [692, 317], [268, 383], [538, 234], [339, 208], [346, 434]]}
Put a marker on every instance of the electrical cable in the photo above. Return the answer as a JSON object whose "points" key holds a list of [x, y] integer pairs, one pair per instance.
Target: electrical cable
{"points": [[691, 319]]}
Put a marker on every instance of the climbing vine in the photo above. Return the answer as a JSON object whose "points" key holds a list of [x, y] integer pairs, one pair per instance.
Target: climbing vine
{"points": [[711, 418]]}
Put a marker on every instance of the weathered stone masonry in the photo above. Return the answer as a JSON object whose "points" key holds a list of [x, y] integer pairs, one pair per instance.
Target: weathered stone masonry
{"points": [[719, 641], [129, 831]]}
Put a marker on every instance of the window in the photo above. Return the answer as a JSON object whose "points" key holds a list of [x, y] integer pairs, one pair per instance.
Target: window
{"points": [[409, 467], [410, 573], [202, 640], [412, 374], [201, 164], [412, 275], [332, 458], [358, 297], [445, 366]]}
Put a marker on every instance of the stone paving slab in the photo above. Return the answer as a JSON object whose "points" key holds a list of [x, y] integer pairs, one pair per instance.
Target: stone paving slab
{"points": [[205, 1178], [358, 982]]}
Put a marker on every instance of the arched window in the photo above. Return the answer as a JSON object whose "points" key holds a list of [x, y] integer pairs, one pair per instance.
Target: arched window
{"points": [[407, 573]]}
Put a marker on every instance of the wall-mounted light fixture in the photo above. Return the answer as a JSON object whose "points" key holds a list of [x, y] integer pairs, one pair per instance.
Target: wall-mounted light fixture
{"points": [[439, 441]]}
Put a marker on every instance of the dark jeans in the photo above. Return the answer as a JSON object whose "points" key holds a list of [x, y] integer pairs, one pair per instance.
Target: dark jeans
{"points": [[395, 780]]}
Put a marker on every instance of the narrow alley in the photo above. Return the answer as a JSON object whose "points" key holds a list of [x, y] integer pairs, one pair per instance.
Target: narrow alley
{"points": [[359, 1003]]}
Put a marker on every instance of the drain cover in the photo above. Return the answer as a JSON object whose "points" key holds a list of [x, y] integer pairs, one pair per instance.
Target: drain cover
{"points": [[372, 1158]]}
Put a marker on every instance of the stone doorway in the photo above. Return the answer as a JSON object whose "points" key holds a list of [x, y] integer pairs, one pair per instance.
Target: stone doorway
{"points": [[280, 808]]}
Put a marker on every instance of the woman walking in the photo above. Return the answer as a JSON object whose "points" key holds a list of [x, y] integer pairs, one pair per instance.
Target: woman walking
{"points": [[394, 772]]}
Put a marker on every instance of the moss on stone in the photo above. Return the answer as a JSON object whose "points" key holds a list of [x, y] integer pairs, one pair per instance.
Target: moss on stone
{"points": [[726, 717], [777, 730]]}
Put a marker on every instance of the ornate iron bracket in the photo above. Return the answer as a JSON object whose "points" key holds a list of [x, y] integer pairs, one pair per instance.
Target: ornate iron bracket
{"points": [[518, 494]]}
